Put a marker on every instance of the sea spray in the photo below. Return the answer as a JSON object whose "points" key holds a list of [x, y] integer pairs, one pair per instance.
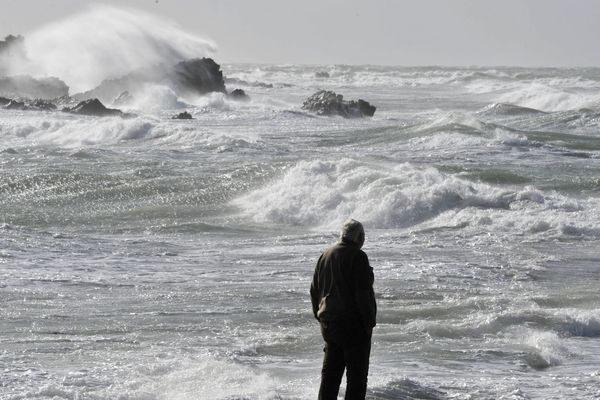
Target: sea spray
{"points": [[105, 42]]}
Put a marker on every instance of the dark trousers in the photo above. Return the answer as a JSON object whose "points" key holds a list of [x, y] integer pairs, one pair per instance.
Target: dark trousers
{"points": [[347, 346]]}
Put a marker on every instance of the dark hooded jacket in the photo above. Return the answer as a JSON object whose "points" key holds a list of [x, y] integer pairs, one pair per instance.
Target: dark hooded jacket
{"points": [[342, 286]]}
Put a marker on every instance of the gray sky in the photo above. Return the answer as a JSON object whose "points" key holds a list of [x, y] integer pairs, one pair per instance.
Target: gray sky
{"points": [[400, 32]]}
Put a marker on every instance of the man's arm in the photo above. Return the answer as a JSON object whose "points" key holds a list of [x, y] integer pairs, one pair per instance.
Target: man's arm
{"points": [[363, 291], [314, 290]]}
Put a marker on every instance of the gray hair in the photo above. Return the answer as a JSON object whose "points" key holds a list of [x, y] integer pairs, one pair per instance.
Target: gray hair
{"points": [[353, 232]]}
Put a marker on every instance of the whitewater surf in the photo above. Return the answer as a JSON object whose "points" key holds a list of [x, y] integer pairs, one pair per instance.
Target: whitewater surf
{"points": [[153, 258]]}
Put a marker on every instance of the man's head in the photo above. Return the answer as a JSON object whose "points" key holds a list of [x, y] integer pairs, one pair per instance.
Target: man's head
{"points": [[353, 232]]}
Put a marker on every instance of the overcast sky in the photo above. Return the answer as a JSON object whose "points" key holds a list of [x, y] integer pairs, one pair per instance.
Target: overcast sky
{"points": [[399, 32]]}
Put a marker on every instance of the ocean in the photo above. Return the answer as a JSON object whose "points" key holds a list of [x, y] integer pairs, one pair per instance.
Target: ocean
{"points": [[151, 258]]}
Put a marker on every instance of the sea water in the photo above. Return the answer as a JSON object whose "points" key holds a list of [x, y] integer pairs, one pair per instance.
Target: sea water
{"points": [[152, 258]]}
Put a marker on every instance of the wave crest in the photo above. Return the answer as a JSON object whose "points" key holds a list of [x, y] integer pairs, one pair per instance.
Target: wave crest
{"points": [[324, 193]]}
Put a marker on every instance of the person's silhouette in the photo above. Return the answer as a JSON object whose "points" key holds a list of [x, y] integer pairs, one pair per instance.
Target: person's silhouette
{"points": [[344, 303]]}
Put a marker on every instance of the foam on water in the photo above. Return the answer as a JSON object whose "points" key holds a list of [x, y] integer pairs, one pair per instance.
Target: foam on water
{"points": [[152, 258], [66, 131], [548, 98], [540, 95], [324, 193], [213, 379], [203, 377]]}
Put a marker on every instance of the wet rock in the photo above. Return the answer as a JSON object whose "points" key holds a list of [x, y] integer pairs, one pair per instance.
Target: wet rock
{"points": [[183, 115], [201, 76], [238, 94], [43, 105], [24, 104], [65, 101], [329, 103], [95, 108], [16, 105], [321, 74]]}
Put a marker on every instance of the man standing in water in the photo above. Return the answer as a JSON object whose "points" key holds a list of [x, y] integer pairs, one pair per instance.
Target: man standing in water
{"points": [[344, 303]]}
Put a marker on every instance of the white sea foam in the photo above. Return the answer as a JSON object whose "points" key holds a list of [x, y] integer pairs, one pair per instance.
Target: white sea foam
{"points": [[154, 98], [531, 213], [536, 95], [451, 120], [493, 279], [448, 142], [547, 348], [106, 41], [548, 98], [324, 193], [583, 323], [214, 379], [68, 131]]}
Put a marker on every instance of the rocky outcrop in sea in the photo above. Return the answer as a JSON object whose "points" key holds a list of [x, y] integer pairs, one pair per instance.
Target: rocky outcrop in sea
{"points": [[94, 107], [329, 103]]}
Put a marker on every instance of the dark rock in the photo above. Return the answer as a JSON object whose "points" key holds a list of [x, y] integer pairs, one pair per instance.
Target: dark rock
{"points": [[43, 105], [27, 86], [321, 74], [37, 104], [183, 115], [93, 107], [190, 77], [365, 108], [198, 76], [238, 94], [16, 105], [65, 101], [326, 102]]}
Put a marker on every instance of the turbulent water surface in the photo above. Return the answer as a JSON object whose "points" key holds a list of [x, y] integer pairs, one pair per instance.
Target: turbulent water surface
{"points": [[150, 258]]}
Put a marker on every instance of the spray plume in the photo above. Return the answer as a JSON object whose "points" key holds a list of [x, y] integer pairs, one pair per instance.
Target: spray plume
{"points": [[105, 42]]}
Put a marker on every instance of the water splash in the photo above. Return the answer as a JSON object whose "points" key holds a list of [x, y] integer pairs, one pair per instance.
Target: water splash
{"points": [[104, 42]]}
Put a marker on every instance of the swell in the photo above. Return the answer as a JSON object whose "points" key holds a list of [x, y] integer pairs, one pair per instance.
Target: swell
{"points": [[479, 324], [151, 194]]}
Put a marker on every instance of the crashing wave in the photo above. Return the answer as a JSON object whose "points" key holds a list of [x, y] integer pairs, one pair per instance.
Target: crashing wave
{"points": [[195, 77], [507, 110], [320, 192]]}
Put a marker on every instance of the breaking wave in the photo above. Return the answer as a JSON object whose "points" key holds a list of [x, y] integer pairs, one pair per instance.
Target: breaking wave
{"points": [[103, 42], [327, 192]]}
